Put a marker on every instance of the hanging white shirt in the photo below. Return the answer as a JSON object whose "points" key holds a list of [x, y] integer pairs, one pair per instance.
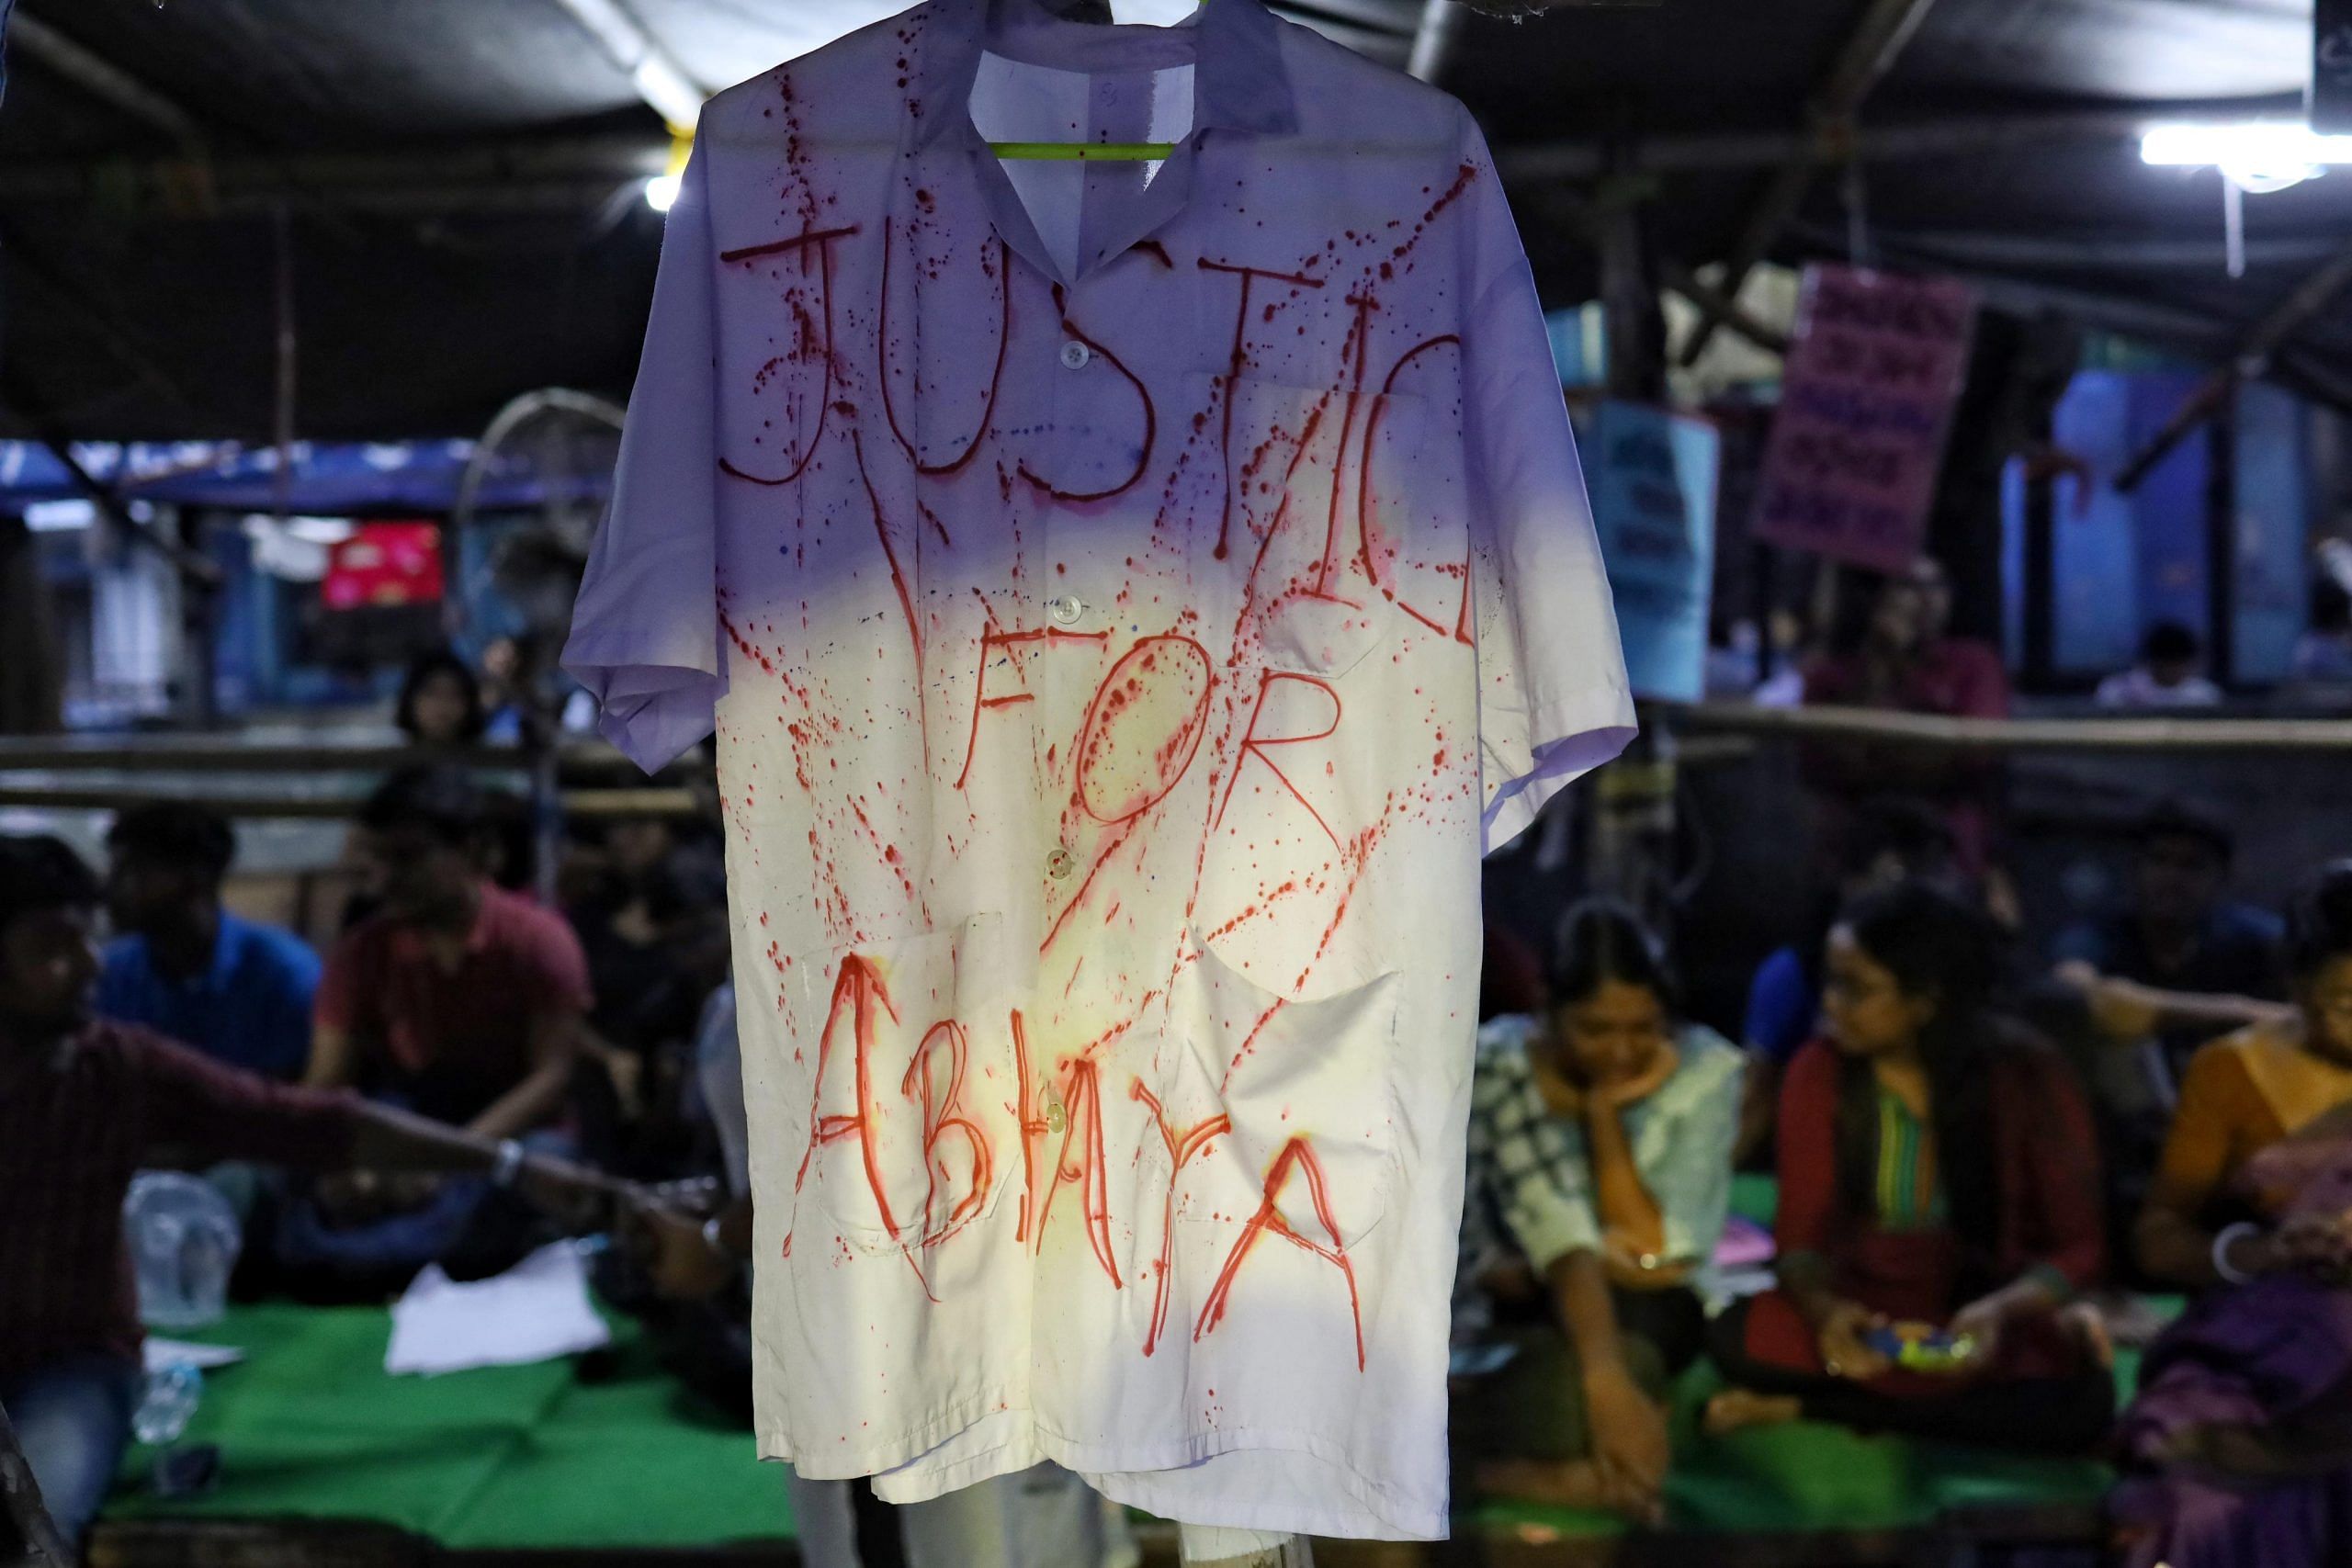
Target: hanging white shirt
{"points": [[1129, 597]]}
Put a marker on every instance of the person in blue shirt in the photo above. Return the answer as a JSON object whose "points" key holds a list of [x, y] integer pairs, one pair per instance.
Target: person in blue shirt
{"points": [[184, 967]]}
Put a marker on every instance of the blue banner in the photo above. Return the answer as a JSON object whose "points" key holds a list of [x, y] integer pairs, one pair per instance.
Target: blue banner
{"points": [[1651, 475]]}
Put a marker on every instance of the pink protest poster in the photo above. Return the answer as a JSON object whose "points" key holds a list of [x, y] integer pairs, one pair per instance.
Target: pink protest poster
{"points": [[1874, 367]]}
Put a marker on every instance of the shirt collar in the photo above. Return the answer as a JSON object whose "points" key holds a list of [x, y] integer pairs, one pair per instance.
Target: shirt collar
{"points": [[1238, 81]]}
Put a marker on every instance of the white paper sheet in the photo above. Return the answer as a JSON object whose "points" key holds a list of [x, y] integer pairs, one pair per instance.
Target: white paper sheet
{"points": [[535, 1312], [162, 1353]]}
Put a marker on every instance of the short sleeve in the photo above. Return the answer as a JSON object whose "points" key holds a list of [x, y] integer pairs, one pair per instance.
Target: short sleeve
{"points": [[558, 979], [645, 638], [1781, 1008], [2201, 1144], [1553, 697]]}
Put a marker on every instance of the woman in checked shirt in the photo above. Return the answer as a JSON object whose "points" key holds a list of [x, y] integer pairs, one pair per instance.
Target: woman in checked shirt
{"points": [[1601, 1140]]}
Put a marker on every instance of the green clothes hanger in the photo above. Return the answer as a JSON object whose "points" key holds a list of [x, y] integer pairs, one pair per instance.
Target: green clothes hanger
{"points": [[1082, 151]]}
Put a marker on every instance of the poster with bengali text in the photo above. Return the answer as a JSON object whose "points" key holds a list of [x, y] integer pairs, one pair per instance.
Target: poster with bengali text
{"points": [[1874, 366]]}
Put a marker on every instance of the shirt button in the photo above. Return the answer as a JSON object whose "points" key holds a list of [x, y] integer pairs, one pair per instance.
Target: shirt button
{"points": [[1075, 355], [1065, 609], [1060, 864]]}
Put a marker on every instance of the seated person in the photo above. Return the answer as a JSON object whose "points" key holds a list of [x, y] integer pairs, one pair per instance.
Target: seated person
{"points": [[184, 967], [85, 1103], [2181, 931], [440, 705], [2240, 1442], [1599, 1176], [651, 917], [457, 999], [1891, 842], [2170, 674], [2178, 934], [1937, 1173]]}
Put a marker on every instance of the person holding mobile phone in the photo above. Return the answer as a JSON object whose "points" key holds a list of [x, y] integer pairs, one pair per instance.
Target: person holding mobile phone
{"points": [[1939, 1208]]}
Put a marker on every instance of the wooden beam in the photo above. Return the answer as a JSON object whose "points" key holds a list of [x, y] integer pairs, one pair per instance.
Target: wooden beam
{"points": [[605, 161], [103, 80], [1868, 53], [181, 754], [25, 404], [2025, 295], [2251, 359], [601, 804], [1943, 137], [1936, 732], [1721, 309]]}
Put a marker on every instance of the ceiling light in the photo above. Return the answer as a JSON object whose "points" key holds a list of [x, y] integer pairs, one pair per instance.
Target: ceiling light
{"points": [[2254, 155], [661, 192]]}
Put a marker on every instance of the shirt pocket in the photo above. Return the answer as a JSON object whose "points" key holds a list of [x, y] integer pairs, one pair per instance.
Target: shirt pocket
{"points": [[907, 1050], [1297, 555], [1301, 1096]]}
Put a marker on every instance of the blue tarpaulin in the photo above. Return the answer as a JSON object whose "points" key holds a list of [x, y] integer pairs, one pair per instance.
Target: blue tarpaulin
{"points": [[355, 480]]}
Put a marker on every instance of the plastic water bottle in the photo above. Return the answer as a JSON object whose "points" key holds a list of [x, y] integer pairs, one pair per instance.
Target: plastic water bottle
{"points": [[181, 1469], [184, 1238], [169, 1404]]}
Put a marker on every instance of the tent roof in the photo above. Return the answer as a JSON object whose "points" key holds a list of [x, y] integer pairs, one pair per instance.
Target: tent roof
{"points": [[457, 178]]}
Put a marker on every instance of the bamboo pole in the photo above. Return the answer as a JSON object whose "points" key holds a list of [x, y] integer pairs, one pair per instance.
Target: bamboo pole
{"points": [[588, 803], [1936, 731]]}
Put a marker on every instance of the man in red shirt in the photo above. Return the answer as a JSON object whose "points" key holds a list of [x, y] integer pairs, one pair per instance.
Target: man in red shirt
{"points": [[456, 999], [85, 1103]]}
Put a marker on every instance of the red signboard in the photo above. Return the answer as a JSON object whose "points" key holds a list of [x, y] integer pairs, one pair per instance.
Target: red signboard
{"points": [[384, 564], [1874, 369]]}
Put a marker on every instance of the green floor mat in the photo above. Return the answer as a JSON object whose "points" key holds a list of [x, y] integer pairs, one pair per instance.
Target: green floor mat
{"points": [[309, 1424], [534, 1457]]}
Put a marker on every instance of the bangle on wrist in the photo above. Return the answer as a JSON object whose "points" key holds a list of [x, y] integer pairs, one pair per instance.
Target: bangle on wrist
{"points": [[2229, 1272], [508, 1164]]}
